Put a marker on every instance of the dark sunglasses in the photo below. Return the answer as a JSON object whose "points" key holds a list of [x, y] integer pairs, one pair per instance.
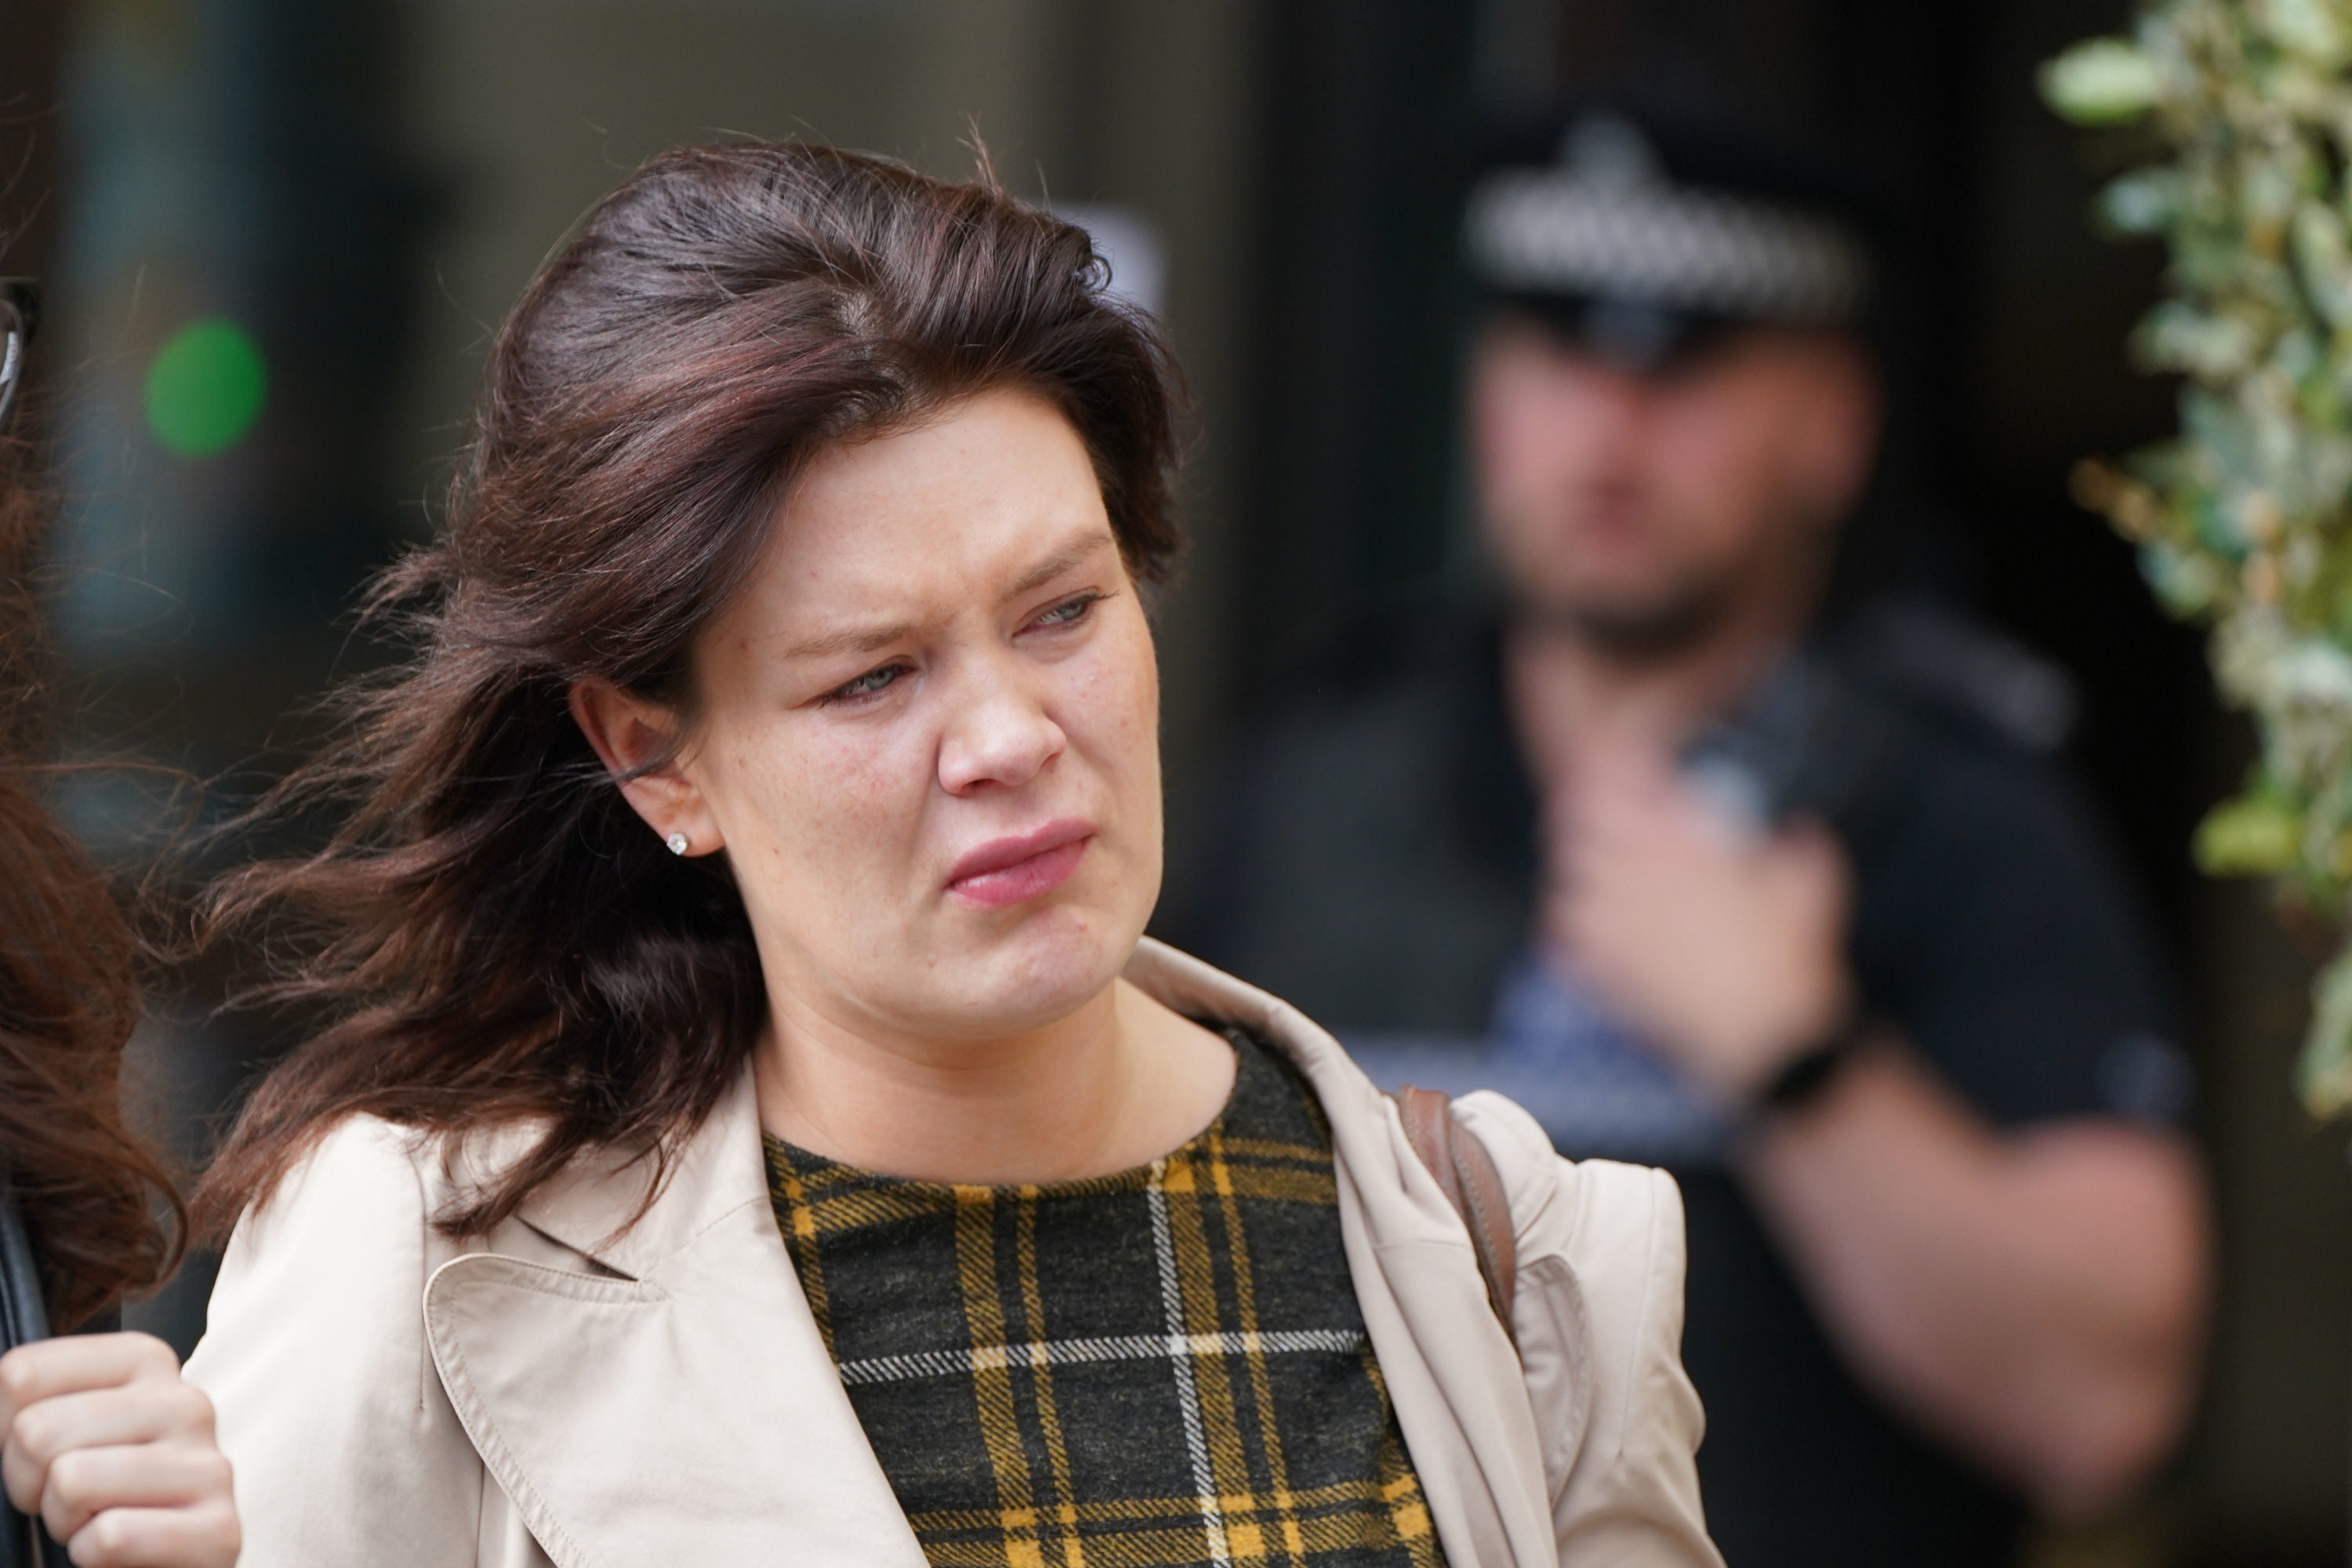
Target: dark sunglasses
{"points": [[20, 312]]}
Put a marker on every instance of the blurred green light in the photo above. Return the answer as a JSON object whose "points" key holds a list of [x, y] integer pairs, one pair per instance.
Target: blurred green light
{"points": [[205, 387]]}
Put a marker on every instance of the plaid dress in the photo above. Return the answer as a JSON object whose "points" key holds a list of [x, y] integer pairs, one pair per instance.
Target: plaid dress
{"points": [[1166, 1366]]}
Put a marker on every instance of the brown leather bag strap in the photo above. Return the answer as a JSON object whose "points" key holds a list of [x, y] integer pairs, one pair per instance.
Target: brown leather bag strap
{"points": [[1465, 1173]]}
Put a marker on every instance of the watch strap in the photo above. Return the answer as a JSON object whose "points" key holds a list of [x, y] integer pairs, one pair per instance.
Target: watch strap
{"points": [[1806, 1077]]}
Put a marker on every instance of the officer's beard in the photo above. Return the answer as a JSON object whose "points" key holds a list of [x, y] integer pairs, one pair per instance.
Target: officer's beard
{"points": [[1655, 629]]}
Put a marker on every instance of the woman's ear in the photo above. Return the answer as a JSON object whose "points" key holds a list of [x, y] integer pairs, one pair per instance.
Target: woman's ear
{"points": [[630, 734]]}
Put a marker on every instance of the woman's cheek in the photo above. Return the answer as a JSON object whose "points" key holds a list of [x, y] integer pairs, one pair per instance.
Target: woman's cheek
{"points": [[866, 775], [816, 789], [1142, 714], [1121, 695]]}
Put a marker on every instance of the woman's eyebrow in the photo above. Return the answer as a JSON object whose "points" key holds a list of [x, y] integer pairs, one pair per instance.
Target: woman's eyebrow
{"points": [[853, 639], [1076, 551]]}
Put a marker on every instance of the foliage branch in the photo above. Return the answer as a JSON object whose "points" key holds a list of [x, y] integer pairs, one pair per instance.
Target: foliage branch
{"points": [[2244, 519]]}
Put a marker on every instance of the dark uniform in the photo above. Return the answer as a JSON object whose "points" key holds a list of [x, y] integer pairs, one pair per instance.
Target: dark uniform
{"points": [[1377, 864]]}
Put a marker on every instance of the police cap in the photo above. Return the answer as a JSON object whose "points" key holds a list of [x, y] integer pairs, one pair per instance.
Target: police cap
{"points": [[1639, 237]]}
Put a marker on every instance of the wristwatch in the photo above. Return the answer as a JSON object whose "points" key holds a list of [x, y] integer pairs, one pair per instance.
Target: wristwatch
{"points": [[1806, 1077]]}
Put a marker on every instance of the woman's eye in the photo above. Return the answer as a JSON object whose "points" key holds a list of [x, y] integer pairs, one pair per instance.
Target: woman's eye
{"points": [[867, 684], [1068, 612]]}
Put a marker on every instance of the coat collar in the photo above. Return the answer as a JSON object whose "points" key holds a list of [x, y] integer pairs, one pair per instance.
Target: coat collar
{"points": [[1441, 1352], [599, 1209], [677, 1403]]}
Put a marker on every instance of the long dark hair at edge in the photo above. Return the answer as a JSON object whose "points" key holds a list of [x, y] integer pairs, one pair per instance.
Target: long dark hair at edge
{"points": [[495, 933], [99, 1207]]}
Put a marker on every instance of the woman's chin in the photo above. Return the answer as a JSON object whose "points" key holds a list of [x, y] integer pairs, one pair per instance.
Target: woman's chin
{"points": [[1043, 969]]}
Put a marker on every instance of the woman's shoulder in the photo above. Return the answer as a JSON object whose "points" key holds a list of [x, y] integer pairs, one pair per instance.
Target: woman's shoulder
{"points": [[374, 1187], [1617, 1228], [322, 1280], [363, 1161], [1524, 1154], [1600, 1324], [337, 1255], [1592, 1207], [350, 1217], [316, 1359]]}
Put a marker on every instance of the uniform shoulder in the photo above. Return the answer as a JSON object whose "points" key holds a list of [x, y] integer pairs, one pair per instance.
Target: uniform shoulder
{"points": [[1977, 782], [1962, 674], [1402, 750], [1978, 802]]}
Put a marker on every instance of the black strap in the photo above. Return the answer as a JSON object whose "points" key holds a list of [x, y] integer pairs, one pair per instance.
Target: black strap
{"points": [[1805, 1078], [23, 1319]]}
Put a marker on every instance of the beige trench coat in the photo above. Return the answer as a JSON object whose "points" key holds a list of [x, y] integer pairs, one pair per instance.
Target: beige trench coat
{"points": [[552, 1393]]}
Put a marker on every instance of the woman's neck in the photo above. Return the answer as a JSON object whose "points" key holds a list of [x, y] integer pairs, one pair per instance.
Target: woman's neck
{"points": [[1115, 1084]]}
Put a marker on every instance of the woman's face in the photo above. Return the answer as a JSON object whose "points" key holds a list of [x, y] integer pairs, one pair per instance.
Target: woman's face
{"points": [[927, 733]]}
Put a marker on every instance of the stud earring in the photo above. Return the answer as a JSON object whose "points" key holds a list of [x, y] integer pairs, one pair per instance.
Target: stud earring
{"points": [[676, 842]]}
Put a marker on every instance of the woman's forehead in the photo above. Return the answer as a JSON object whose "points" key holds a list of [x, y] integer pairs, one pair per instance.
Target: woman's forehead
{"points": [[995, 496], [991, 461]]}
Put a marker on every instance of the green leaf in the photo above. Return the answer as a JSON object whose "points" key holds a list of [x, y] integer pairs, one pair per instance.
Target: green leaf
{"points": [[2141, 203], [2253, 835], [2325, 1074], [2100, 81], [2313, 31]]}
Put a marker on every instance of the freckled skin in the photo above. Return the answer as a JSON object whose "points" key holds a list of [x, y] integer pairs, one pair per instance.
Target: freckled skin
{"points": [[1000, 709], [940, 654]]}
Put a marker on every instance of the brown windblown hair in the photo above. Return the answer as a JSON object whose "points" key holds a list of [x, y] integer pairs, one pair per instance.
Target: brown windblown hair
{"points": [[89, 1189], [495, 934]]}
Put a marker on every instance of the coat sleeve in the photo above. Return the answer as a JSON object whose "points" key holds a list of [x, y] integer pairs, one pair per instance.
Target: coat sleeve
{"points": [[1600, 1324], [344, 1447]]}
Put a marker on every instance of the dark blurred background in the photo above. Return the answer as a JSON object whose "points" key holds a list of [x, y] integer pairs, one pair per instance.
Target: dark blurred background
{"points": [[277, 234]]}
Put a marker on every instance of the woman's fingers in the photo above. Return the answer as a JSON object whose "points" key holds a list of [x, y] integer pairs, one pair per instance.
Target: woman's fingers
{"points": [[136, 1413], [204, 1536], [86, 1482], [47, 1368], [115, 1453]]}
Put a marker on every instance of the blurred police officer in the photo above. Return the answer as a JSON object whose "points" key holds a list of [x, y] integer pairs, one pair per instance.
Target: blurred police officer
{"points": [[1796, 904]]}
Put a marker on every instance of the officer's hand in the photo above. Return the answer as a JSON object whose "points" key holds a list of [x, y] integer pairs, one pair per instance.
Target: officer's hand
{"points": [[115, 1452], [1725, 948]]}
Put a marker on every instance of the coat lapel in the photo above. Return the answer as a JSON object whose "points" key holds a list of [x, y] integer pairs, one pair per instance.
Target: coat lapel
{"points": [[1457, 1386], [680, 1407]]}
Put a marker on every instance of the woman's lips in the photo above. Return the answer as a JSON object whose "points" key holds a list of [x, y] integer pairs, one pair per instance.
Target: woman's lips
{"points": [[1013, 869]]}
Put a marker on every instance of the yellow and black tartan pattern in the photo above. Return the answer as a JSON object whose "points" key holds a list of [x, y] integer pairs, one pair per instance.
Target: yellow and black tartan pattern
{"points": [[1164, 1367]]}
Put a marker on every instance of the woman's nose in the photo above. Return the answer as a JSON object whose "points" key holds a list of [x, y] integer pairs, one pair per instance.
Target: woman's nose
{"points": [[997, 732]]}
